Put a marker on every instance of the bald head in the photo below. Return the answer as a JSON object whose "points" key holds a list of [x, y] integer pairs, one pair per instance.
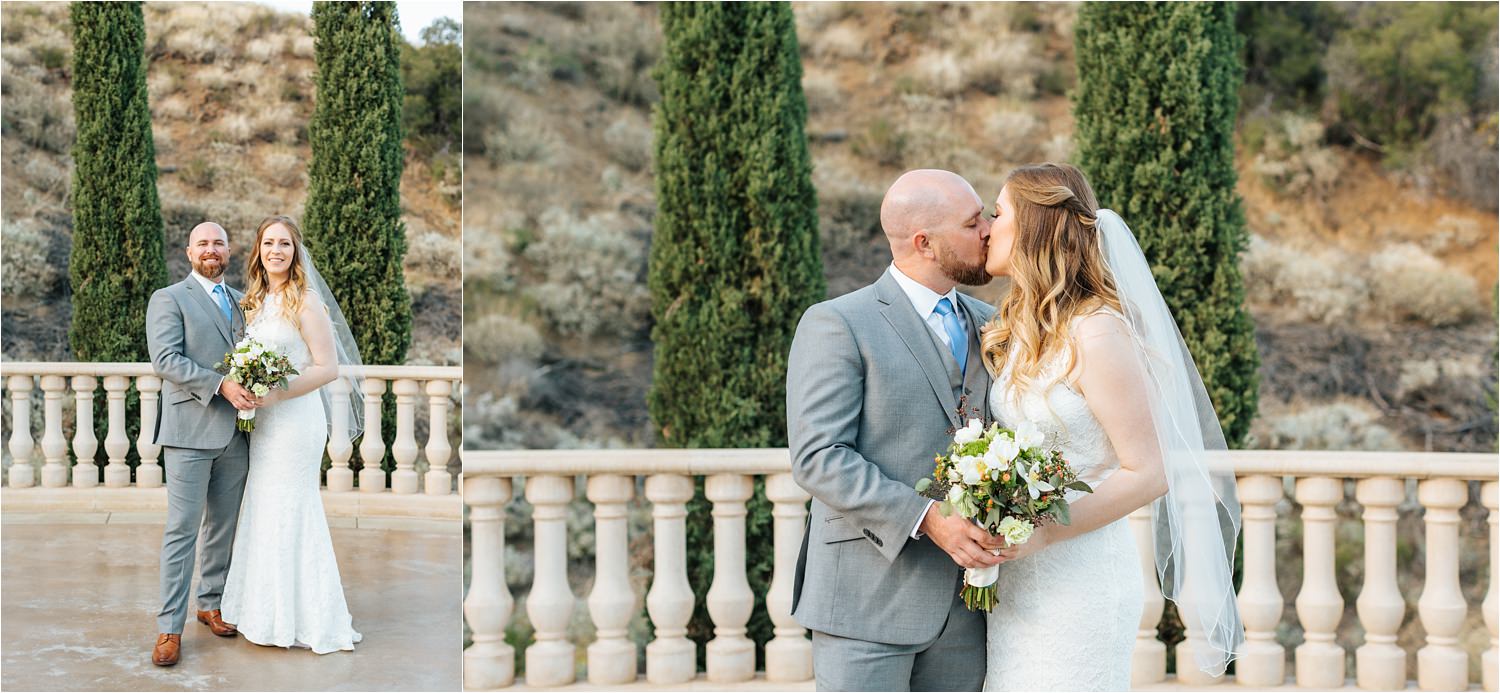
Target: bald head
{"points": [[208, 249], [921, 200]]}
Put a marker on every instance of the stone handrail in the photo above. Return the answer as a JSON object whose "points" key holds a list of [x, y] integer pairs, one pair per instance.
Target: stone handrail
{"points": [[80, 381], [490, 479]]}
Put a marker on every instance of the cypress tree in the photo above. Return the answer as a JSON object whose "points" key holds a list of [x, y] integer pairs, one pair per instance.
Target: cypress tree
{"points": [[116, 261], [1157, 98], [353, 217], [735, 257]]}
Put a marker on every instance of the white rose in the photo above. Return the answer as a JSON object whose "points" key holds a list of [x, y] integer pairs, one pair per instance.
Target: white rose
{"points": [[972, 469], [1004, 447], [969, 433], [1028, 435], [260, 390], [955, 494], [1015, 530], [953, 476]]}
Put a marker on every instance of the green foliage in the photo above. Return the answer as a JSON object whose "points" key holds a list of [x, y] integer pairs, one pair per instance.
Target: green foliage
{"points": [[735, 257], [432, 74], [353, 218], [117, 261], [1402, 67], [1284, 47], [1157, 97]]}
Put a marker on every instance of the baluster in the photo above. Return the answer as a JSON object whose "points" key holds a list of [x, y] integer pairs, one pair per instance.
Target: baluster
{"points": [[85, 443], [731, 655], [148, 474], [54, 445], [340, 448], [22, 473], [1491, 499], [489, 662], [789, 654], [1441, 665], [116, 441], [1320, 661], [372, 446], [671, 657], [1380, 664], [549, 662], [1148, 662], [404, 450], [611, 658], [438, 481], [1262, 661]]}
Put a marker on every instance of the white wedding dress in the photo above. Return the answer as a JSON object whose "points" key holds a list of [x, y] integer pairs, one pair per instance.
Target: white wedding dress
{"points": [[1066, 616], [284, 587]]}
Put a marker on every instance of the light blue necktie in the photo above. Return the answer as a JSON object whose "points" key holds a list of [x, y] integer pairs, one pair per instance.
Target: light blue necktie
{"points": [[958, 342], [223, 300]]}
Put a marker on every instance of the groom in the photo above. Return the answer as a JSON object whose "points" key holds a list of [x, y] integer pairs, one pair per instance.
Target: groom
{"points": [[874, 383], [190, 326]]}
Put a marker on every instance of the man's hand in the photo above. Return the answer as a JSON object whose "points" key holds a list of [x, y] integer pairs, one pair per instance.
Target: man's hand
{"points": [[966, 543], [238, 396]]}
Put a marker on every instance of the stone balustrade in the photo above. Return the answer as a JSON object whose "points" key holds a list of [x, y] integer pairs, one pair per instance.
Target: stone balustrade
{"points": [[1318, 481], [65, 461]]}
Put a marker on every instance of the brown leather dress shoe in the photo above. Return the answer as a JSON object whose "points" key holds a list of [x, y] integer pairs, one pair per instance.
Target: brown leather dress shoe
{"points": [[168, 647], [215, 623]]}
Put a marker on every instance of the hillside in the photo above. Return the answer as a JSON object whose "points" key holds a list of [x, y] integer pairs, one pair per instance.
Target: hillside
{"points": [[231, 94], [1372, 288]]}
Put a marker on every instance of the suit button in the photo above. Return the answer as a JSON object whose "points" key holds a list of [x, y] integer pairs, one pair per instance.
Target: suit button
{"points": [[868, 534]]}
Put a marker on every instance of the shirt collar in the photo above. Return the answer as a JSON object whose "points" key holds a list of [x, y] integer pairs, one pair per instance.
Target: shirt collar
{"points": [[209, 284], [923, 299]]}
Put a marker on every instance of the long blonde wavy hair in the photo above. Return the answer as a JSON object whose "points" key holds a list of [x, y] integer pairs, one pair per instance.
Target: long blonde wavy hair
{"points": [[258, 283], [1057, 272]]}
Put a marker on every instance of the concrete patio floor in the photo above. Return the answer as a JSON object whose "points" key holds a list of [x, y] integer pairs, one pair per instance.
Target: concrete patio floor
{"points": [[79, 602]]}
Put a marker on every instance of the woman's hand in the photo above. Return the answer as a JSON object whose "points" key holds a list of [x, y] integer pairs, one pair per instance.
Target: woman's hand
{"points": [[1041, 537], [275, 395]]}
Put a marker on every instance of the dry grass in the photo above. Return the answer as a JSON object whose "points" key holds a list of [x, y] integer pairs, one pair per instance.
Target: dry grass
{"points": [[1409, 284], [27, 270], [236, 128], [629, 141], [283, 167], [1344, 424]]}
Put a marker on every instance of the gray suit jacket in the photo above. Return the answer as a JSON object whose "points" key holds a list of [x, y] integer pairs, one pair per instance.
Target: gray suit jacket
{"points": [[872, 394], [187, 335]]}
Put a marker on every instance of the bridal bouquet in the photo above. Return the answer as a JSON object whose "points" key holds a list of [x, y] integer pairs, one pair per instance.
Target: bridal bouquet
{"points": [[1007, 483], [257, 368]]}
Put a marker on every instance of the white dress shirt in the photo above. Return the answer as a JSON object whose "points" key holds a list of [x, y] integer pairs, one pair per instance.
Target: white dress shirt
{"points": [[925, 301]]}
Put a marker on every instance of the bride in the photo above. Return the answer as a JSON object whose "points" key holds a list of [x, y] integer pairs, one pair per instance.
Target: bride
{"points": [[1084, 347], [284, 587]]}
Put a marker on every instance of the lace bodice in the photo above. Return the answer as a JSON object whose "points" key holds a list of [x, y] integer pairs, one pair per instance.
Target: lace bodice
{"points": [[1063, 416], [274, 329]]}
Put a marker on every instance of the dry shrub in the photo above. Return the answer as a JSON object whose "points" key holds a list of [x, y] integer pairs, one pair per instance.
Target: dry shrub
{"points": [[1007, 63], [46, 174], [814, 17], [1464, 154], [594, 273], [173, 107], [1293, 160], [1059, 147], [521, 140], [160, 84], [213, 78], [304, 46], [277, 123], [621, 59], [264, 49], [1406, 283], [487, 263], [236, 128], [1294, 285], [1341, 424], [433, 256], [821, 88], [841, 42], [1015, 133], [628, 140], [938, 72], [1431, 376], [496, 338], [26, 270], [37, 115], [283, 167]]}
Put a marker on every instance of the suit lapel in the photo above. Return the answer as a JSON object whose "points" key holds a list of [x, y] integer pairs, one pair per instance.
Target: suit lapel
{"points": [[976, 378], [916, 335], [206, 302], [238, 327]]}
